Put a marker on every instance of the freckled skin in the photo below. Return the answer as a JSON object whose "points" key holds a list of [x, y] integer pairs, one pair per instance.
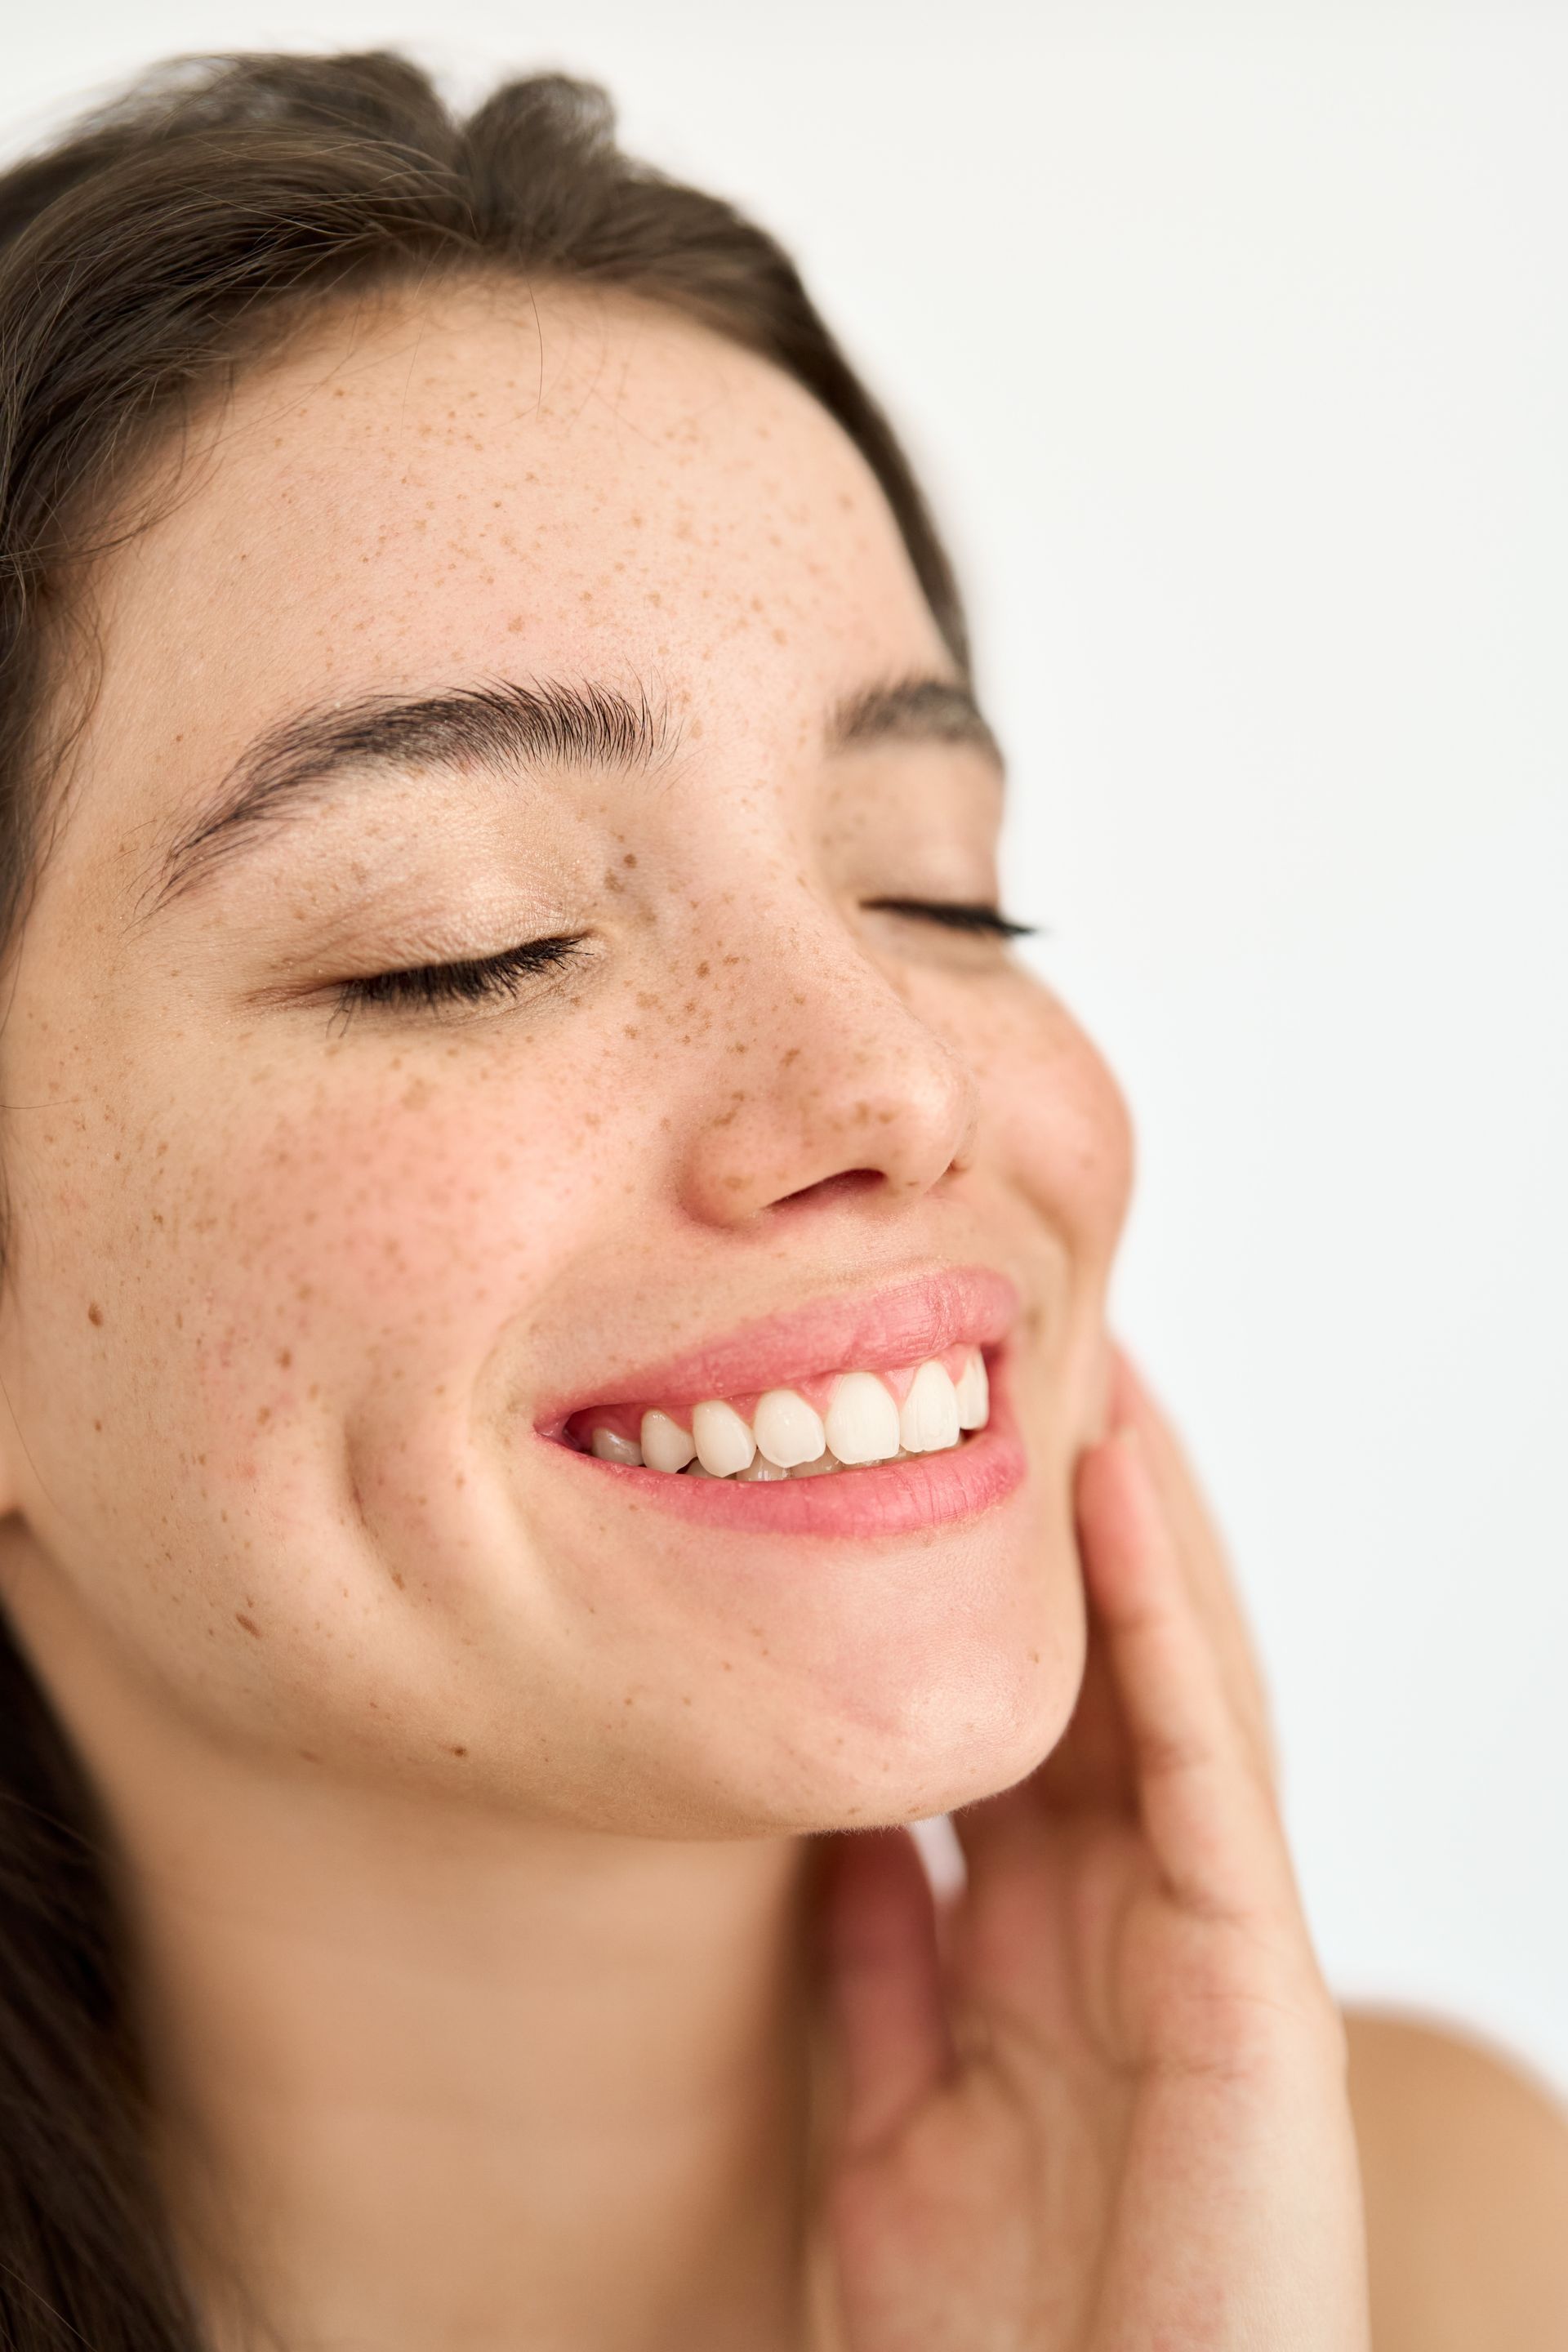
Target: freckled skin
{"points": [[284, 1296]]}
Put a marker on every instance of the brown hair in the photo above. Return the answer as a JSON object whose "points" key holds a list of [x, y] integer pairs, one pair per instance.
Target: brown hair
{"points": [[142, 255]]}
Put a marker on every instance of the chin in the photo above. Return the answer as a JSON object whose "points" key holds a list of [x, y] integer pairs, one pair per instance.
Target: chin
{"points": [[948, 1743]]}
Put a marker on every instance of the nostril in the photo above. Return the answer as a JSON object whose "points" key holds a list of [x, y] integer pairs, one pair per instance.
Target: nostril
{"points": [[826, 1188]]}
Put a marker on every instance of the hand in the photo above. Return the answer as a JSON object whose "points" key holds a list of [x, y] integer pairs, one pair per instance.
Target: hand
{"points": [[1100, 2107]]}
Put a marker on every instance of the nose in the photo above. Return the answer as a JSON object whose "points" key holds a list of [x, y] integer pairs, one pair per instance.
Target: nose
{"points": [[820, 1082]]}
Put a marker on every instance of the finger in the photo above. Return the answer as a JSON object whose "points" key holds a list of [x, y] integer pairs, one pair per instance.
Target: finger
{"points": [[1201, 1547], [876, 1930], [1205, 1807]]}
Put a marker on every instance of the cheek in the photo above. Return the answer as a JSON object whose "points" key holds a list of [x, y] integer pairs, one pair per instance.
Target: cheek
{"points": [[1060, 1127], [197, 1334]]}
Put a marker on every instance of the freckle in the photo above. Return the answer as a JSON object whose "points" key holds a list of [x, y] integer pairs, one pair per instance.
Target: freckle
{"points": [[630, 858], [515, 624], [793, 1055], [457, 1751], [735, 1183], [264, 1416], [97, 1424], [285, 1357], [95, 1313], [629, 1031], [308, 1756], [702, 971], [249, 1623]]}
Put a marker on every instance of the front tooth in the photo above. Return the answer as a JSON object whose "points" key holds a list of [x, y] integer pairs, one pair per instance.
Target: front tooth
{"points": [[974, 1391], [862, 1423], [665, 1445], [761, 1468], [724, 1443], [607, 1446], [787, 1431], [928, 1418]]}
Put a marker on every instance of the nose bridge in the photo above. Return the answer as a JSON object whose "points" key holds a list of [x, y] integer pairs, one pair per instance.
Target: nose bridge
{"points": [[817, 1068]]}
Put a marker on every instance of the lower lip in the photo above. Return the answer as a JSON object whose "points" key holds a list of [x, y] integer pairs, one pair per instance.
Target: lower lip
{"points": [[886, 1498]]}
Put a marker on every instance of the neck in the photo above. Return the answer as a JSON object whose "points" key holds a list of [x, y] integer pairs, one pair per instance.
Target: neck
{"points": [[437, 2082]]}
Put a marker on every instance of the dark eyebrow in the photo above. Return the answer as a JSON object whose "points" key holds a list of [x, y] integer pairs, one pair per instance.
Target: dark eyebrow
{"points": [[498, 726], [914, 710]]}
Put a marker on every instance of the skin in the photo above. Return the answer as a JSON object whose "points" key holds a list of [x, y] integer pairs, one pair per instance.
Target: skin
{"points": [[461, 1804]]}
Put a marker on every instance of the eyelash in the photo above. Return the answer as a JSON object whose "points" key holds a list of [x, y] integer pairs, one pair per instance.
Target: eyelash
{"points": [[468, 982], [480, 977]]}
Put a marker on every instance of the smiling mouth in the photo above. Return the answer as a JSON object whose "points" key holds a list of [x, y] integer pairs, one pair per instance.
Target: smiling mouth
{"points": [[849, 1420]]}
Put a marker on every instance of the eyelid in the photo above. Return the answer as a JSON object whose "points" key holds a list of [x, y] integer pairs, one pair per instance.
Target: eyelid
{"points": [[473, 979], [470, 980], [963, 915]]}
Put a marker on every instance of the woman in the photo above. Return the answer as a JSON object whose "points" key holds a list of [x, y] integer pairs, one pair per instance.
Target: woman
{"points": [[508, 1032]]}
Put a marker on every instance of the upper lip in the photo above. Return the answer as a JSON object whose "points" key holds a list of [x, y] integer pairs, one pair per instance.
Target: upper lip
{"points": [[861, 1330]]}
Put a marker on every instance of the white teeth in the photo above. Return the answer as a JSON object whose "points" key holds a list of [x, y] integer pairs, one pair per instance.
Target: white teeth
{"points": [[724, 1443], [928, 1418], [611, 1448], [823, 1462], [973, 1393], [665, 1445], [786, 1438], [787, 1431], [862, 1421]]}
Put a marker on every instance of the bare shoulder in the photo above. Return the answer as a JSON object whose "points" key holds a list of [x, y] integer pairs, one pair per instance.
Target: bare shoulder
{"points": [[1465, 2162]]}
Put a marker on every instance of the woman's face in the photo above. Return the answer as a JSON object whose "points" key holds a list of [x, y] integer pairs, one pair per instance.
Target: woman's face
{"points": [[302, 1287]]}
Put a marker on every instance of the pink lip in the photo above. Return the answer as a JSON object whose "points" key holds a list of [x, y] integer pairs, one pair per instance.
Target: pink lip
{"points": [[900, 1325]]}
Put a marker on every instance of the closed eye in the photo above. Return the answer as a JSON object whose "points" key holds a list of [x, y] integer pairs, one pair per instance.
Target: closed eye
{"points": [[473, 981], [959, 916], [478, 980]]}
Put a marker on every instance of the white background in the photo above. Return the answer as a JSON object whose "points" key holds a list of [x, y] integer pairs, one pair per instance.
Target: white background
{"points": [[1232, 343]]}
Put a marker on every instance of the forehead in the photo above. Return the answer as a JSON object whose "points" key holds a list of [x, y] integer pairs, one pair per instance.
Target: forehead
{"points": [[499, 481]]}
